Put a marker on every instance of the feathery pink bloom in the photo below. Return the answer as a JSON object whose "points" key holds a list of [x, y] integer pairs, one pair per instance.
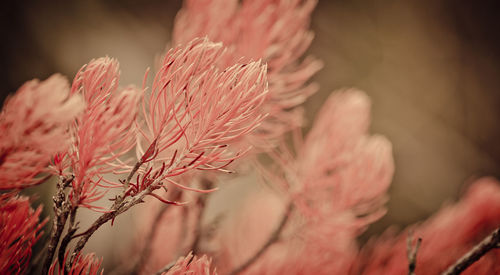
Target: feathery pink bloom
{"points": [[195, 110], [276, 31], [337, 182], [82, 265], [104, 132], [192, 265], [339, 158], [33, 128], [19, 231], [446, 237]]}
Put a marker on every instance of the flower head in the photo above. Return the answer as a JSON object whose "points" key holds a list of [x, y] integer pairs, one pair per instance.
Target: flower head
{"points": [[33, 128], [276, 32], [195, 110], [104, 132], [20, 229]]}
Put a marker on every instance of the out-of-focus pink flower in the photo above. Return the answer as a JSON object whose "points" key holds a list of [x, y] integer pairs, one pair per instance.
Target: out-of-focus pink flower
{"points": [[192, 265], [337, 182], [446, 237], [19, 230], [341, 168], [276, 31], [88, 265], [34, 127], [195, 110], [104, 132], [301, 248]]}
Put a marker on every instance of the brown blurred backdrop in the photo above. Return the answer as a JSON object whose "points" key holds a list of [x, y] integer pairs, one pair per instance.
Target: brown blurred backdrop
{"points": [[431, 67]]}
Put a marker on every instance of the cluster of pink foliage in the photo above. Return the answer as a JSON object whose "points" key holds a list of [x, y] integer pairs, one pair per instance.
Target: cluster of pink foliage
{"points": [[103, 132], [20, 228], [33, 128], [447, 235], [87, 264], [276, 32], [235, 90]]}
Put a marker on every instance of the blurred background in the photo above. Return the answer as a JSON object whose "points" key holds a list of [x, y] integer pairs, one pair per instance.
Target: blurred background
{"points": [[431, 67]]}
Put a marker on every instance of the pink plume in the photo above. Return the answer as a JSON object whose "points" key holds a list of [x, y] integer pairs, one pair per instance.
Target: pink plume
{"points": [[196, 110], [104, 132], [276, 32], [20, 229], [34, 127]]}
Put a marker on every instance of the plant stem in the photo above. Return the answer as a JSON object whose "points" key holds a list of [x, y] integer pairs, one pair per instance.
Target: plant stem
{"points": [[490, 242], [61, 214], [411, 252], [272, 239], [68, 237], [104, 218], [119, 206]]}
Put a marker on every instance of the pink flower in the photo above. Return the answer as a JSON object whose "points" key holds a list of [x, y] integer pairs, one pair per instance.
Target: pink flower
{"points": [[191, 265], [34, 127], [19, 231], [88, 265], [337, 182], [195, 110], [446, 237], [104, 132], [272, 30], [341, 169]]}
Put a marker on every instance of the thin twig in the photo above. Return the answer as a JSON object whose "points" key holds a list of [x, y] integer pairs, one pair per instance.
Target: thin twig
{"points": [[102, 220], [275, 236], [72, 228], [119, 206], [61, 212], [490, 242], [411, 252]]}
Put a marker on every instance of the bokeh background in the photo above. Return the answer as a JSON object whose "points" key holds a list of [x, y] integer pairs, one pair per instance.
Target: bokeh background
{"points": [[431, 67]]}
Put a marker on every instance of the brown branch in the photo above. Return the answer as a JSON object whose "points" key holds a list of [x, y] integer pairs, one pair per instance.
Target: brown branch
{"points": [[124, 206], [72, 228], [490, 242], [275, 236], [61, 211], [411, 252], [119, 206]]}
